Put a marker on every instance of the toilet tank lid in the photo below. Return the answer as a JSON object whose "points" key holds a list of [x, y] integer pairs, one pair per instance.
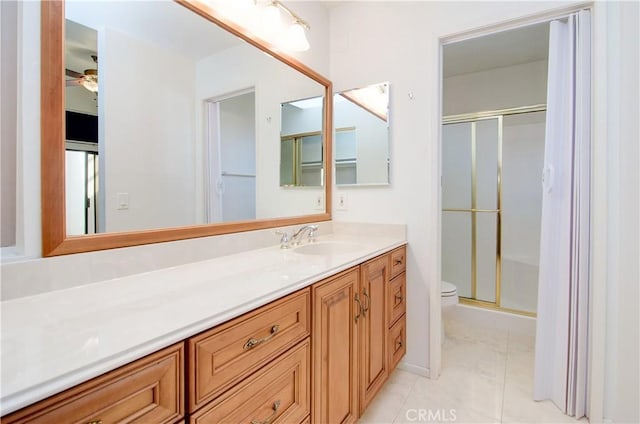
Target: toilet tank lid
{"points": [[447, 287]]}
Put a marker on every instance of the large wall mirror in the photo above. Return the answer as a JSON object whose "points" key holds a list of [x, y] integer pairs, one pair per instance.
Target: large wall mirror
{"points": [[162, 121], [362, 135]]}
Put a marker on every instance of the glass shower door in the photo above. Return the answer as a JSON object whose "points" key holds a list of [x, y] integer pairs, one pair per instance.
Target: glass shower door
{"points": [[471, 158]]}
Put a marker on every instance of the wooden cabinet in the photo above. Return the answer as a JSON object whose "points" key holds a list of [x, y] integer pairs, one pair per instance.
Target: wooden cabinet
{"points": [[221, 357], [318, 356], [149, 390], [358, 336], [396, 308], [374, 280], [336, 312]]}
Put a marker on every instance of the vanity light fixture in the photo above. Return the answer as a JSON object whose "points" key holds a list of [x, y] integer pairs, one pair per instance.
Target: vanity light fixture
{"points": [[295, 37]]}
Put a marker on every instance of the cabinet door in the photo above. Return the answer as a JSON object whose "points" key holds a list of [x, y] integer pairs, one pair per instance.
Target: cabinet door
{"points": [[335, 349], [373, 328]]}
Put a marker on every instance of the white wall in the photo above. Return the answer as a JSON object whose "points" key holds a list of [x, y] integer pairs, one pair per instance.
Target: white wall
{"points": [[499, 88], [622, 370], [146, 134]]}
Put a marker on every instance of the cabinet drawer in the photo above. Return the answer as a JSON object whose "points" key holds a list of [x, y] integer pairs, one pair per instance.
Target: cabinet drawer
{"points": [[225, 355], [278, 393], [398, 261], [396, 298], [397, 343], [149, 390]]}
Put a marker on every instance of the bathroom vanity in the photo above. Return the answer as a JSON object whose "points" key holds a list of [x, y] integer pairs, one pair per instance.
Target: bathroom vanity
{"points": [[268, 335]]}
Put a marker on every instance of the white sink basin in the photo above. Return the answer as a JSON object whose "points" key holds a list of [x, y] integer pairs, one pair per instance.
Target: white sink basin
{"points": [[327, 248]]}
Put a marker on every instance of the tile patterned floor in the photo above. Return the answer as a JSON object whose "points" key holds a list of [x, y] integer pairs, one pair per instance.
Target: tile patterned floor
{"points": [[487, 377]]}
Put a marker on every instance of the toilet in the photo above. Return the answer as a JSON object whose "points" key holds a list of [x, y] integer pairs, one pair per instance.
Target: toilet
{"points": [[449, 298], [449, 294]]}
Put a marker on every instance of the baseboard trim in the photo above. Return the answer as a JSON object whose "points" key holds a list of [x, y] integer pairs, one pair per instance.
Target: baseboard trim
{"points": [[414, 369]]}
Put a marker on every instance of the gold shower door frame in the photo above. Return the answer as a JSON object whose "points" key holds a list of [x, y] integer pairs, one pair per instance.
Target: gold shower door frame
{"points": [[473, 118]]}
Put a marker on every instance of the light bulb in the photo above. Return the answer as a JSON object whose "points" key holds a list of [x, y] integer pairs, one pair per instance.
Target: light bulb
{"points": [[297, 38], [90, 82], [271, 19]]}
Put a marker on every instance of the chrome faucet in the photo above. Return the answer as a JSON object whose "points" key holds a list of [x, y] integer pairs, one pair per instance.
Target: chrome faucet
{"points": [[311, 237], [285, 241]]}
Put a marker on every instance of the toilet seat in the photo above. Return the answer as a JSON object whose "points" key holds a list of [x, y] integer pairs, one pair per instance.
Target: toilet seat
{"points": [[447, 289], [448, 294]]}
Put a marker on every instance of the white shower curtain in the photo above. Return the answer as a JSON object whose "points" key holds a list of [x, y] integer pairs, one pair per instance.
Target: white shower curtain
{"points": [[561, 333]]}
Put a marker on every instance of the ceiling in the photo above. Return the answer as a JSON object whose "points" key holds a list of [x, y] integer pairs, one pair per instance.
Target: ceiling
{"points": [[506, 48], [159, 22]]}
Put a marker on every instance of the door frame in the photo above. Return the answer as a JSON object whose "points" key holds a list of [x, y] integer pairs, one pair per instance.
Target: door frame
{"points": [[598, 209], [212, 162]]}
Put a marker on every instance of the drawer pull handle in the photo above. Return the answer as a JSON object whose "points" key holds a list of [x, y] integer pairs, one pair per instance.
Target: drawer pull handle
{"points": [[275, 407], [357, 299], [398, 297], [368, 304], [95, 422], [398, 261], [253, 342]]}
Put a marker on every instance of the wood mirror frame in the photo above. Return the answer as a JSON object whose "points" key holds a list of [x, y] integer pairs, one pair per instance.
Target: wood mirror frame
{"points": [[54, 235]]}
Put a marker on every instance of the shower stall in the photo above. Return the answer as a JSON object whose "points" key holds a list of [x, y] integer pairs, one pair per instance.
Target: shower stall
{"points": [[491, 206]]}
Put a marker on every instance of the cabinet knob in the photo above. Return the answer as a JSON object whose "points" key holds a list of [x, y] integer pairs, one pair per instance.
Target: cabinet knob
{"points": [[275, 407]]}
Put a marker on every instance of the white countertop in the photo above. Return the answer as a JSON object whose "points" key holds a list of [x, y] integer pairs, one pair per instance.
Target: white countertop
{"points": [[55, 340]]}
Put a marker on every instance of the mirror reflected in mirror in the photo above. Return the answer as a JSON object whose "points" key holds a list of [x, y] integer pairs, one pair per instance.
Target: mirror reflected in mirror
{"points": [[361, 121], [162, 122], [301, 146]]}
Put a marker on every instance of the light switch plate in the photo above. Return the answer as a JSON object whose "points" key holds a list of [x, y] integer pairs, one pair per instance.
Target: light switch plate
{"points": [[122, 200], [341, 204]]}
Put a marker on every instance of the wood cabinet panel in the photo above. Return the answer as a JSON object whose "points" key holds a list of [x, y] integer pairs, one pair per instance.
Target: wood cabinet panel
{"points": [[225, 355], [398, 261], [373, 328], [335, 349], [397, 343], [396, 299], [277, 394], [147, 390]]}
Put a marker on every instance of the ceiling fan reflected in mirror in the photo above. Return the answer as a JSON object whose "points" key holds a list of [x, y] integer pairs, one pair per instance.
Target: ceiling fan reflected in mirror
{"points": [[88, 79]]}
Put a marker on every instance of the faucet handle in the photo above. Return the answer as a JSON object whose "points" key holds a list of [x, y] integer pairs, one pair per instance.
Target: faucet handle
{"points": [[311, 237], [284, 240]]}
